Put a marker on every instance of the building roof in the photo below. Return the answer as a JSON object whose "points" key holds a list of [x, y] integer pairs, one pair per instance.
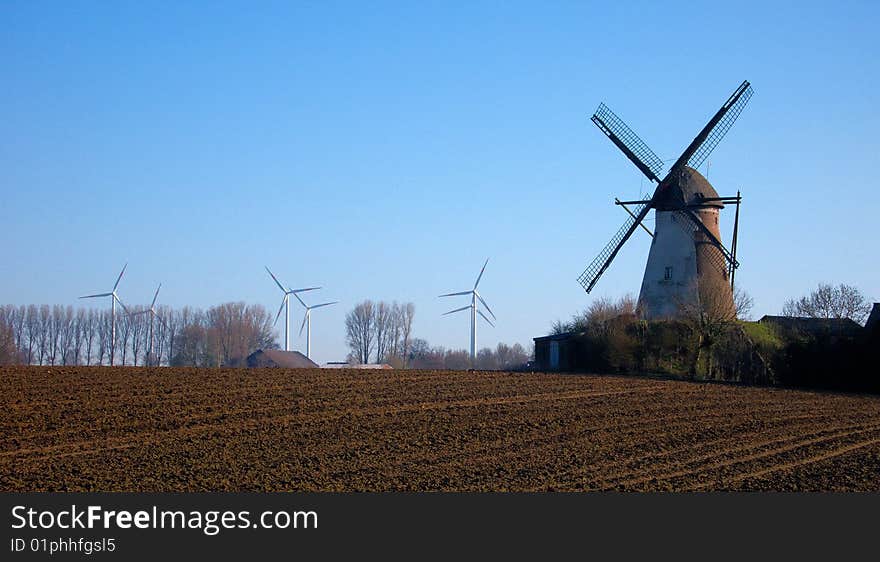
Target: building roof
{"points": [[284, 359], [844, 326], [873, 322], [557, 337], [690, 189]]}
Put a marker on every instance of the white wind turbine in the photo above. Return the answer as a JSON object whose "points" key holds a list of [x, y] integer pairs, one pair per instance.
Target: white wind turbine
{"points": [[114, 298], [285, 304], [153, 314], [475, 296], [307, 322]]}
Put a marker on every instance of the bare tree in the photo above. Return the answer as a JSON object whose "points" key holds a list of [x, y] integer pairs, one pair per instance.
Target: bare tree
{"points": [[235, 330], [43, 327], [123, 334], [66, 322], [405, 316], [708, 319], [90, 330], [382, 326], [597, 316], [743, 303], [360, 331], [18, 327], [104, 336], [32, 329], [8, 352], [827, 301], [136, 320]]}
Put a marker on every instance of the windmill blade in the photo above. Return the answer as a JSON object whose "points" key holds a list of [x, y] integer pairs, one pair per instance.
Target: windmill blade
{"points": [[480, 312], [601, 262], [118, 279], [277, 282], [323, 304], [487, 306], [456, 310], [716, 128], [628, 142], [277, 316], [294, 291], [156, 296], [162, 320], [456, 294], [98, 295], [480, 276], [692, 216], [303, 325]]}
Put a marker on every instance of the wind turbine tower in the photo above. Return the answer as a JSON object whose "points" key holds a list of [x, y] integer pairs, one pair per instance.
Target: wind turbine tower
{"points": [[114, 298], [307, 322], [285, 305], [475, 296], [153, 314]]}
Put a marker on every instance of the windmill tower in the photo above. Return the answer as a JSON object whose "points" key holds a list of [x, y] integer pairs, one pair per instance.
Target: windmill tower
{"points": [[688, 266]]}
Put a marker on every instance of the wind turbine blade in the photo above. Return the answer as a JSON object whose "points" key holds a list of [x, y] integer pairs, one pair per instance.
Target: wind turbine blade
{"points": [[277, 282], [93, 296], [303, 325], [487, 306], [299, 299], [280, 308], [122, 304], [156, 296], [456, 294], [304, 290], [456, 310], [162, 320], [118, 279], [486, 318], [323, 304], [480, 276]]}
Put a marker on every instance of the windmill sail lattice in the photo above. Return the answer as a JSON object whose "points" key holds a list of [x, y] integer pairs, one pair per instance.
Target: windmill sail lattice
{"points": [[732, 109], [601, 262], [630, 143]]}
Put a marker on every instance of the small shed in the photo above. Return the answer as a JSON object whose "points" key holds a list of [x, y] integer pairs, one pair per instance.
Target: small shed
{"points": [[278, 358], [558, 352]]}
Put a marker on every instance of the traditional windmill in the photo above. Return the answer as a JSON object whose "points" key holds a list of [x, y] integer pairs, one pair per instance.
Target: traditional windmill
{"points": [[688, 266]]}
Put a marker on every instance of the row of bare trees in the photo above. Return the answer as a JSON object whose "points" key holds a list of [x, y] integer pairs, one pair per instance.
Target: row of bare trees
{"points": [[503, 357], [63, 335], [380, 331]]}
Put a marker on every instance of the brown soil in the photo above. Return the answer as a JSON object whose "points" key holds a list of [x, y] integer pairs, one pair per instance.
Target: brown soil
{"points": [[127, 429]]}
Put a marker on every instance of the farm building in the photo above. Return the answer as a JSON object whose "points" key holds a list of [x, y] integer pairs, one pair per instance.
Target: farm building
{"points": [[278, 358], [829, 327], [558, 352], [873, 322]]}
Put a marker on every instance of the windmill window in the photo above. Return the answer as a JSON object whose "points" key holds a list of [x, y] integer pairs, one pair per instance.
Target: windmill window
{"points": [[668, 274]]}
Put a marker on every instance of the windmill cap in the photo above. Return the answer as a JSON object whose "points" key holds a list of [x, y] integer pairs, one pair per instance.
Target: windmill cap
{"points": [[692, 188]]}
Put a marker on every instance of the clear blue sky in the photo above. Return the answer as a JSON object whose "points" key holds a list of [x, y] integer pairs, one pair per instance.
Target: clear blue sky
{"points": [[384, 150]]}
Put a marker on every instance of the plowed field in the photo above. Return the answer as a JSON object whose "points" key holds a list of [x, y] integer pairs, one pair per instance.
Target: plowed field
{"points": [[135, 429]]}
